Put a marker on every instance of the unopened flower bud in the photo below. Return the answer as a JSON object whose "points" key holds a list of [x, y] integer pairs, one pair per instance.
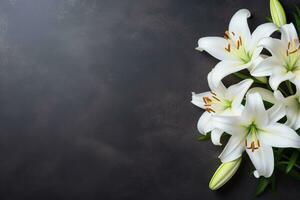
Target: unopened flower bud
{"points": [[224, 174], [277, 13]]}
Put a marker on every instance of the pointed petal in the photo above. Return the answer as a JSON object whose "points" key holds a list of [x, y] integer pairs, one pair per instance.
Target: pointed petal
{"points": [[265, 67], [263, 160], [265, 94], [292, 113], [296, 79], [275, 46], [276, 112], [262, 31], [197, 99], [237, 92], [215, 46], [219, 89], [225, 68], [255, 109], [278, 78], [234, 148], [239, 25], [216, 136], [228, 124], [288, 33], [280, 135], [205, 123]]}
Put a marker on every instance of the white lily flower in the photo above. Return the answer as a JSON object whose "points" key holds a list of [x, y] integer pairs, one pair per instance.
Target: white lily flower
{"points": [[238, 49], [256, 131], [219, 101], [292, 108], [284, 64]]}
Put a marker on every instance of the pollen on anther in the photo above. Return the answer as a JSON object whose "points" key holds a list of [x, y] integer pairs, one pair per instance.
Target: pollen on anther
{"points": [[228, 48], [240, 39], [216, 98], [293, 51], [226, 36]]}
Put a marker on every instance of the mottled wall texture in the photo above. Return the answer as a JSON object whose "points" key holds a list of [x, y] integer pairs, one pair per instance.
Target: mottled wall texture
{"points": [[95, 100]]}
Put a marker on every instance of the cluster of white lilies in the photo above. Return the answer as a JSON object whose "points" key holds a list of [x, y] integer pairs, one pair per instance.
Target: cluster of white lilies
{"points": [[239, 110]]}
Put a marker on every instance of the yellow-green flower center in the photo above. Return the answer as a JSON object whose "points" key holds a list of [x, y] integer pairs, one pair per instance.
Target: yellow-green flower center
{"points": [[236, 46]]}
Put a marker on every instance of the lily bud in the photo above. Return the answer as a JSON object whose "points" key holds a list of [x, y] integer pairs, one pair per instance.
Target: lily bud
{"points": [[277, 13], [224, 173]]}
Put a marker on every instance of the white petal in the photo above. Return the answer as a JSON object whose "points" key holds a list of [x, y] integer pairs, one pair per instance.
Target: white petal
{"points": [[205, 123], [296, 79], [234, 148], [197, 99], [254, 109], [215, 46], [262, 31], [239, 25], [275, 46], [237, 92], [292, 113], [263, 160], [278, 96], [225, 68], [288, 33], [278, 78], [265, 94], [219, 89], [276, 112], [279, 135], [265, 67], [229, 124], [216, 136]]}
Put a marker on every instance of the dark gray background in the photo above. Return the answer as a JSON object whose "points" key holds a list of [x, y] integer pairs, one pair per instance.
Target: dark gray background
{"points": [[95, 100]]}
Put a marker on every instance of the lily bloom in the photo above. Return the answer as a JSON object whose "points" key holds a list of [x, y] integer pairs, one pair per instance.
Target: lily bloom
{"points": [[238, 49], [292, 108], [219, 101], [284, 64], [256, 131]]}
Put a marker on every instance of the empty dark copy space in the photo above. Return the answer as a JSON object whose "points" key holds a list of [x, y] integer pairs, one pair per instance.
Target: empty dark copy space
{"points": [[95, 100]]}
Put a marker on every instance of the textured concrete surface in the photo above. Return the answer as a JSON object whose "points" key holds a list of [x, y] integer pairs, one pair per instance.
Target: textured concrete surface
{"points": [[95, 100]]}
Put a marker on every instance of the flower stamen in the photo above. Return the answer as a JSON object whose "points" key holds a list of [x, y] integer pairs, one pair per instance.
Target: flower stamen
{"points": [[210, 110], [240, 39], [216, 98], [228, 48], [252, 132], [226, 35], [238, 44]]}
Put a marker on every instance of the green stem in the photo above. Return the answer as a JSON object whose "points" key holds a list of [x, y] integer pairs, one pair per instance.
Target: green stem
{"points": [[244, 76], [286, 162], [289, 86]]}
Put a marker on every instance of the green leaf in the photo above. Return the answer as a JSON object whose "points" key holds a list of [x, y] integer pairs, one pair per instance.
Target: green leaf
{"points": [[278, 154], [269, 19], [203, 137], [262, 185], [296, 15], [293, 173], [292, 161], [273, 183]]}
